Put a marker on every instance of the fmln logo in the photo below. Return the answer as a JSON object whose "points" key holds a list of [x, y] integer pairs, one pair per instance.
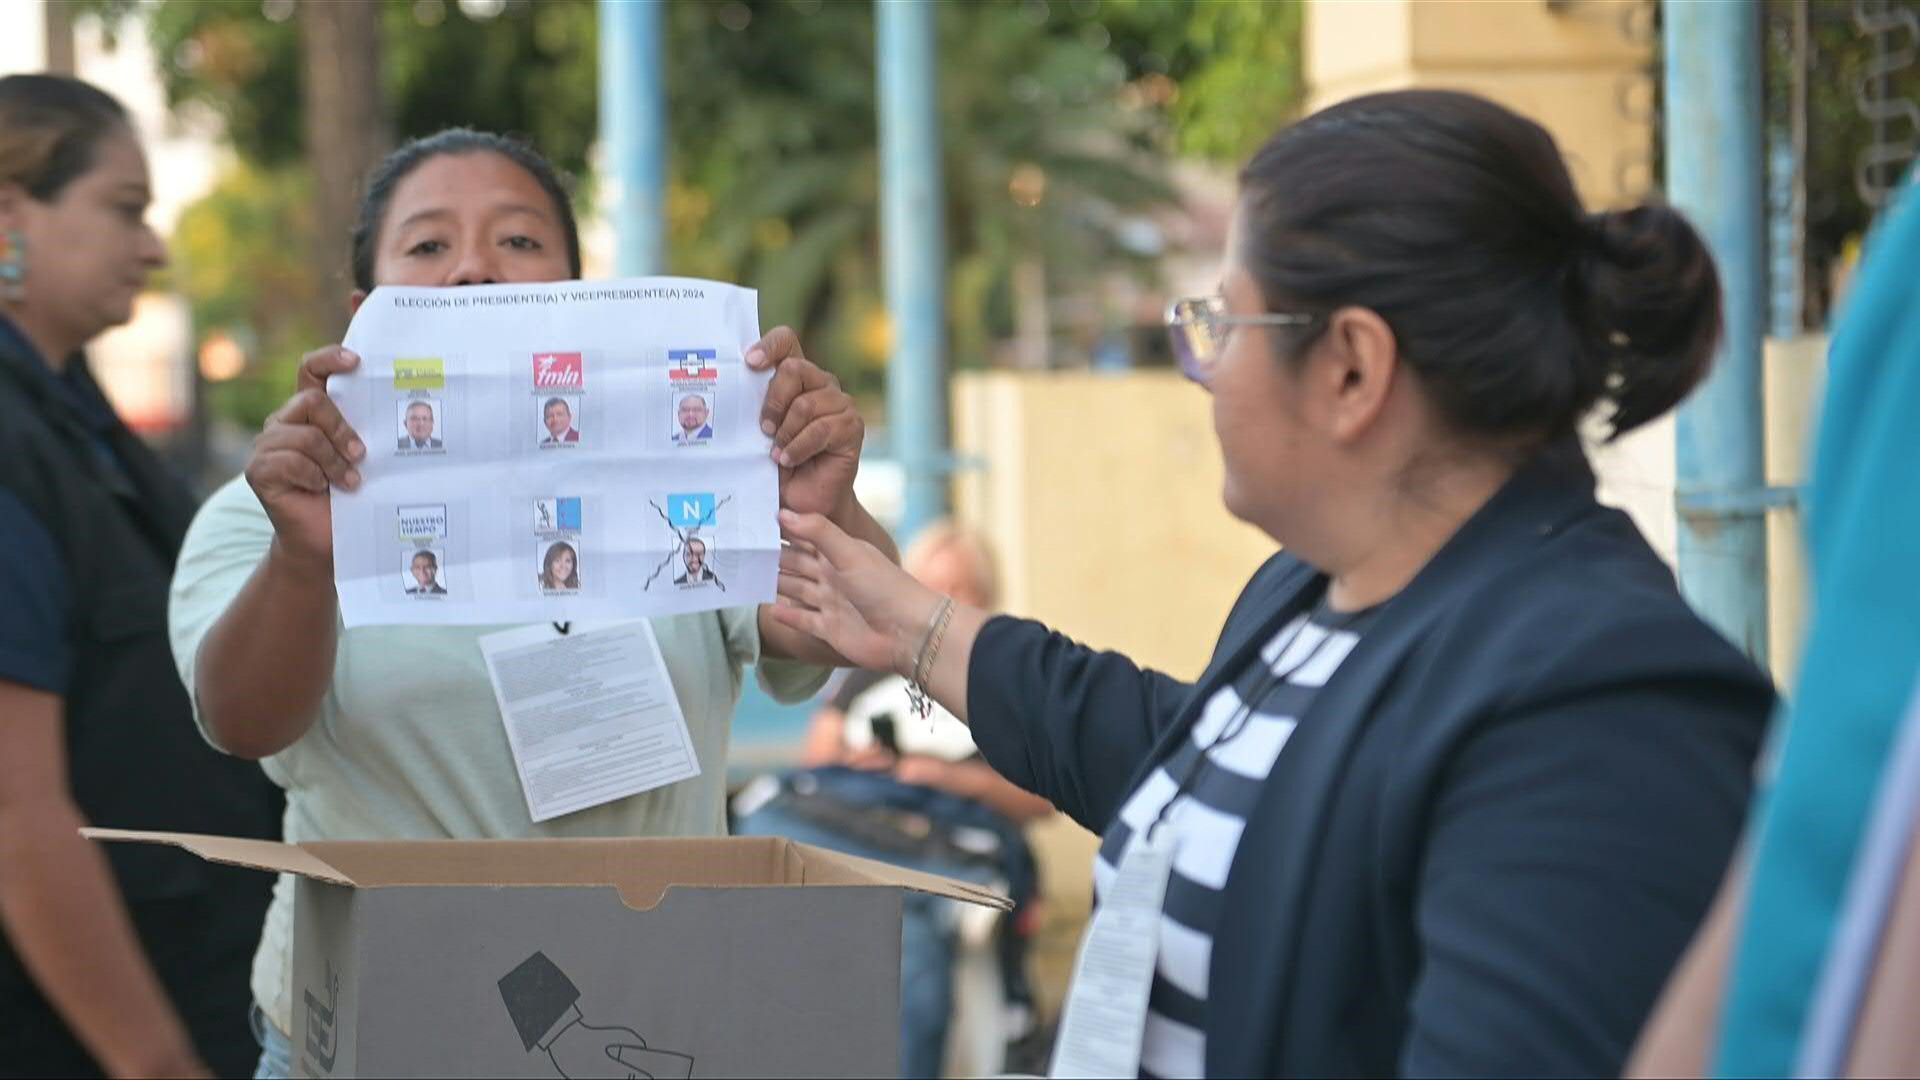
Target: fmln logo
{"points": [[559, 371]]}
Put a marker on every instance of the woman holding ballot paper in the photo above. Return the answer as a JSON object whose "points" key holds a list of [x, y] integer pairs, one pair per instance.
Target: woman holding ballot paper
{"points": [[395, 732], [1465, 769]]}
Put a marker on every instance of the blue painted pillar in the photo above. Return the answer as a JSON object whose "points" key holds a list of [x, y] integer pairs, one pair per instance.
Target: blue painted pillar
{"points": [[914, 253], [1716, 176], [633, 132]]}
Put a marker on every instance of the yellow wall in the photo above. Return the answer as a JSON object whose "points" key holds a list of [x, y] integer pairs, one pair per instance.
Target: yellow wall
{"points": [[1101, 494], [1582, 69], [1795, 380]]}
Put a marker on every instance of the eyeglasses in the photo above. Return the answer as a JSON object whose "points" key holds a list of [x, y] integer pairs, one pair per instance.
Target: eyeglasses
{"points": [[1199, 325]]}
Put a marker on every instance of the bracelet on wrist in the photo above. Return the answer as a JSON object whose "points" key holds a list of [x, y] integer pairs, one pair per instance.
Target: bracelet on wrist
{"points": [[917, 696]]}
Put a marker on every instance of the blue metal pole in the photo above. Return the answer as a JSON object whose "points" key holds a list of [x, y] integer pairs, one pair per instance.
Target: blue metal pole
{"points": [[633, 132], [1715, 175], [913, 251]]}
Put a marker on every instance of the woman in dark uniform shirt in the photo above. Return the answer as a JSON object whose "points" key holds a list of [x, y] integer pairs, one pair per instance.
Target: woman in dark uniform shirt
{"points": [[1465, 769], [131, 961]]}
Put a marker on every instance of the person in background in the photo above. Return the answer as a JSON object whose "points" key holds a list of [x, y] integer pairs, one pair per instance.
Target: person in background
{"points": [[877, 781], [130, 961], [1464, 771], [393, 732]]}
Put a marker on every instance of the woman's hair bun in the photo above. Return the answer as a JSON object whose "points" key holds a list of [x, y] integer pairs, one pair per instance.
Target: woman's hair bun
{"points": [[1646, 304]]}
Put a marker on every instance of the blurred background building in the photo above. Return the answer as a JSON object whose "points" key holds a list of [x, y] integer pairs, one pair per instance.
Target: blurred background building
{"points": [[1083, 174]]}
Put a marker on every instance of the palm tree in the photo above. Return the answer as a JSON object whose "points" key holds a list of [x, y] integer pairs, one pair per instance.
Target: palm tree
{"points": [[777, 170]]}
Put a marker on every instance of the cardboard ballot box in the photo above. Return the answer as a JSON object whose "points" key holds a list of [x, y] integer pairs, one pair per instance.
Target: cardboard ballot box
{"points": [[576, 958]]}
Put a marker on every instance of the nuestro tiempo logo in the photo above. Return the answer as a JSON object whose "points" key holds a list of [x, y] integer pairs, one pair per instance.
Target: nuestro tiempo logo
{"points": [[559, 371]]}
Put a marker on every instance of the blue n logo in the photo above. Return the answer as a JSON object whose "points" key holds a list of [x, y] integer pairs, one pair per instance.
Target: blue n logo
{"points": [[690, 511]]}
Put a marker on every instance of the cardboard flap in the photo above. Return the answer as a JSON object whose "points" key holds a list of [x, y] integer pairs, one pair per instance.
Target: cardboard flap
{"points": [[253, 854], [641, 868], [822, 867]]}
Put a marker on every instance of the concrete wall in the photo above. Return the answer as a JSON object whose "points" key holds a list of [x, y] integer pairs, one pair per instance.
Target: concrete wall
{"points": [[1101, 494], [1583, 69]]}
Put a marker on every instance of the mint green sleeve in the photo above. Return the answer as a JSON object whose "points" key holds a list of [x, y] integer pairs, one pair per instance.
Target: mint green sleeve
{"points": [[228, 538], [786, 681]]}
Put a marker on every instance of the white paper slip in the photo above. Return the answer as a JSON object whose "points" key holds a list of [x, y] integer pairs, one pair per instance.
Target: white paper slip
{"points": [[591, 715], [1105, 1015], [561, 451]]}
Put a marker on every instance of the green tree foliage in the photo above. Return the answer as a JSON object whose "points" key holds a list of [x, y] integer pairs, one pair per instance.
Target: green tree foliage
{"points": [[1839, 58], [1058, 122], [1232, 69], [529, 70], [1044, 158], [240, 256]]}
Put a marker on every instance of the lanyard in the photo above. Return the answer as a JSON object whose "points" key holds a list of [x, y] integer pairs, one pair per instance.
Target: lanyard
{"points": [[1270, 681]]}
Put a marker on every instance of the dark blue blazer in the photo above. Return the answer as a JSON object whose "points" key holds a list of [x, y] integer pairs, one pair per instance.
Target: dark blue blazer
{"points": [[1494, 831]]}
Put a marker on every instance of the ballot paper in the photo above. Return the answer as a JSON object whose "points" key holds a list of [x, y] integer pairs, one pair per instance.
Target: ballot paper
{"points": [[591, 715], [559, 451]]}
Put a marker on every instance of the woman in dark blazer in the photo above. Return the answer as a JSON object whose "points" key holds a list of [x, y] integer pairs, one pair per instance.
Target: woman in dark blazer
{"points": [[118, 961], [1464, 770]]}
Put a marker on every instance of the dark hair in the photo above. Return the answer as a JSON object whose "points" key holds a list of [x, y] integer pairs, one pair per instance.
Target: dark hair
{"points": [[1456, 221], [398, 165], [50, 126], [546, 567], [432, 559], [552, 401]]}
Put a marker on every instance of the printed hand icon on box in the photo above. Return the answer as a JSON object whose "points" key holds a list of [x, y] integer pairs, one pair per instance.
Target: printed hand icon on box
{"points": [[544, 1005], [323, 1040]]}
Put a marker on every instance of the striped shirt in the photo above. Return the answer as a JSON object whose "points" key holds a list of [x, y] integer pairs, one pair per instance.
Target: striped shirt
{"points": [[1214, 781]]}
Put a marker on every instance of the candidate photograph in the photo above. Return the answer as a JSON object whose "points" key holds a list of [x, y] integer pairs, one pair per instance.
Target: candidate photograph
{"points": [[560, 567], [556, 422], [420, 425], [421, 573], [694, 556], [693, 415]]}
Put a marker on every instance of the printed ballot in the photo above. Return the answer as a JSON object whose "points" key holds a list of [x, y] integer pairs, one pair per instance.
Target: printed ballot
{"points": [[569, 450]]}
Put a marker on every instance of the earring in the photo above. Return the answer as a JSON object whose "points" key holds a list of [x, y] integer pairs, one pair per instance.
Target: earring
{"points": [[13, 266]]}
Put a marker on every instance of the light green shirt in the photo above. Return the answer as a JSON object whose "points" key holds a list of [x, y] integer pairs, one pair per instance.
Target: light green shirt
{"points": [[409, 744]]}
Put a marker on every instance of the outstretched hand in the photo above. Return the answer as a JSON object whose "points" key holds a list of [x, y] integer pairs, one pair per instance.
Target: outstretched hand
{"points": [[845, 592]]}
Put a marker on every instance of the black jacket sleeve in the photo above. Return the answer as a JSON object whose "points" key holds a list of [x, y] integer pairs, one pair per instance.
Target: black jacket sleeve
{"points": [[1065, 722], [1574, 848]]}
